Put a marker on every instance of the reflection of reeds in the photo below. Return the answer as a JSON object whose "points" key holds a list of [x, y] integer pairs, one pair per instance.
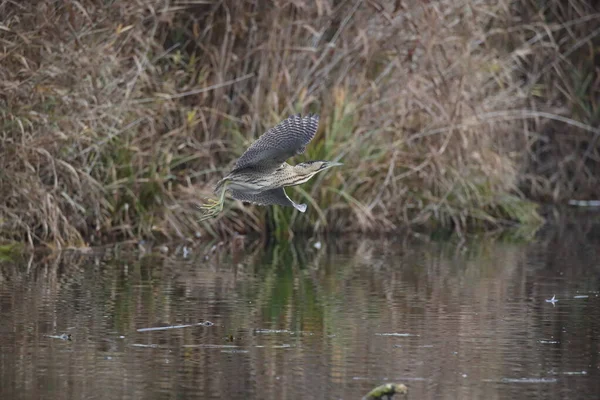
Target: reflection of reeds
{"points": [[117, 121], [344, 310]]}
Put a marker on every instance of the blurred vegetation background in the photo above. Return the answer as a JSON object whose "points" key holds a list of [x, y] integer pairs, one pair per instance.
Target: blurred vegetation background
{"points": [[117, 117]]}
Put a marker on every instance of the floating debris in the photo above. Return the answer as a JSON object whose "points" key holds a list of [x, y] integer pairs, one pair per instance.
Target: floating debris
{"points": [[163, 328], [581, 296], [317, 245], [529, 380], [64, 336], [386, 391], [585, 203], [548, 341], [153, 346], [186, 251], [233, 346], [396, 334], [553, 300], [283, 346], [229, 338], [273, 331], [234, 351]]}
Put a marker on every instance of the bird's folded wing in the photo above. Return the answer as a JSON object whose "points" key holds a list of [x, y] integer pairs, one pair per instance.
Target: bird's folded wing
{"points": [[268, 197], [279, 143]]}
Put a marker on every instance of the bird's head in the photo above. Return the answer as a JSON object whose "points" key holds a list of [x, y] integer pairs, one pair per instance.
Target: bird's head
{"points": [[312, 167], [307, 170]]}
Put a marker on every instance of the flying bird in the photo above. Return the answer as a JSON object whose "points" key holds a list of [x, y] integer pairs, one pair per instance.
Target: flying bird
{"points": [[261, 174]]}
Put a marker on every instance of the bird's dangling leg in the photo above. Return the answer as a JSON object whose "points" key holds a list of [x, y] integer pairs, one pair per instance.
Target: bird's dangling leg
{"points": [[214, 207]]}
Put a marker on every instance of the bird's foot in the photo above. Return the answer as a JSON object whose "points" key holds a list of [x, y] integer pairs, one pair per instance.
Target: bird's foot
{"points": [[211, 204], [210, 209], [213, 207]]}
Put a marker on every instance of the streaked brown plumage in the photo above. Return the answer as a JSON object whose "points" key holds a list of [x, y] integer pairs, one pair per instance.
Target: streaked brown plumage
{"points": [[261, 173]]}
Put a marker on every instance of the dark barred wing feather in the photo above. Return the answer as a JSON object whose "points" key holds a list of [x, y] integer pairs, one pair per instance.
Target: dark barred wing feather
{"points": [[279, 143]]}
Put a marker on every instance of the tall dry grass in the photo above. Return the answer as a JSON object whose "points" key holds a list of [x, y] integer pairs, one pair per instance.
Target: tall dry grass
{"points": [[118, 117], [563, 79]]}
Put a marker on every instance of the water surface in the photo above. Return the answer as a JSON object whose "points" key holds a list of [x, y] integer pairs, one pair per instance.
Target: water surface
{"points": [[303, 321]]}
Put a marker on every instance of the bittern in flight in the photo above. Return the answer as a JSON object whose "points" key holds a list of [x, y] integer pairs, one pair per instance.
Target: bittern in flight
{"points": [[261, 173]]}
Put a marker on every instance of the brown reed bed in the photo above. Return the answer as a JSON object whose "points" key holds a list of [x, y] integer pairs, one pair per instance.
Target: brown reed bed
{"points": [[117, 118]]}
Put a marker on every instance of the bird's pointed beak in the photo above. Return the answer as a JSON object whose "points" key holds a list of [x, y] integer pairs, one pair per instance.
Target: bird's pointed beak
{"points": [[330, 164]]}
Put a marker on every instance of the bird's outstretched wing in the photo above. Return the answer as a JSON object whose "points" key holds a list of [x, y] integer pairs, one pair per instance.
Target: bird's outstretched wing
{"points": [[268, 197], [279, 143]]}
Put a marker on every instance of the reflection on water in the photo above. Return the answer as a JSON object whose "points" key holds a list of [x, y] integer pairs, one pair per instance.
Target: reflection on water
{"points": [[301, 322]]}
